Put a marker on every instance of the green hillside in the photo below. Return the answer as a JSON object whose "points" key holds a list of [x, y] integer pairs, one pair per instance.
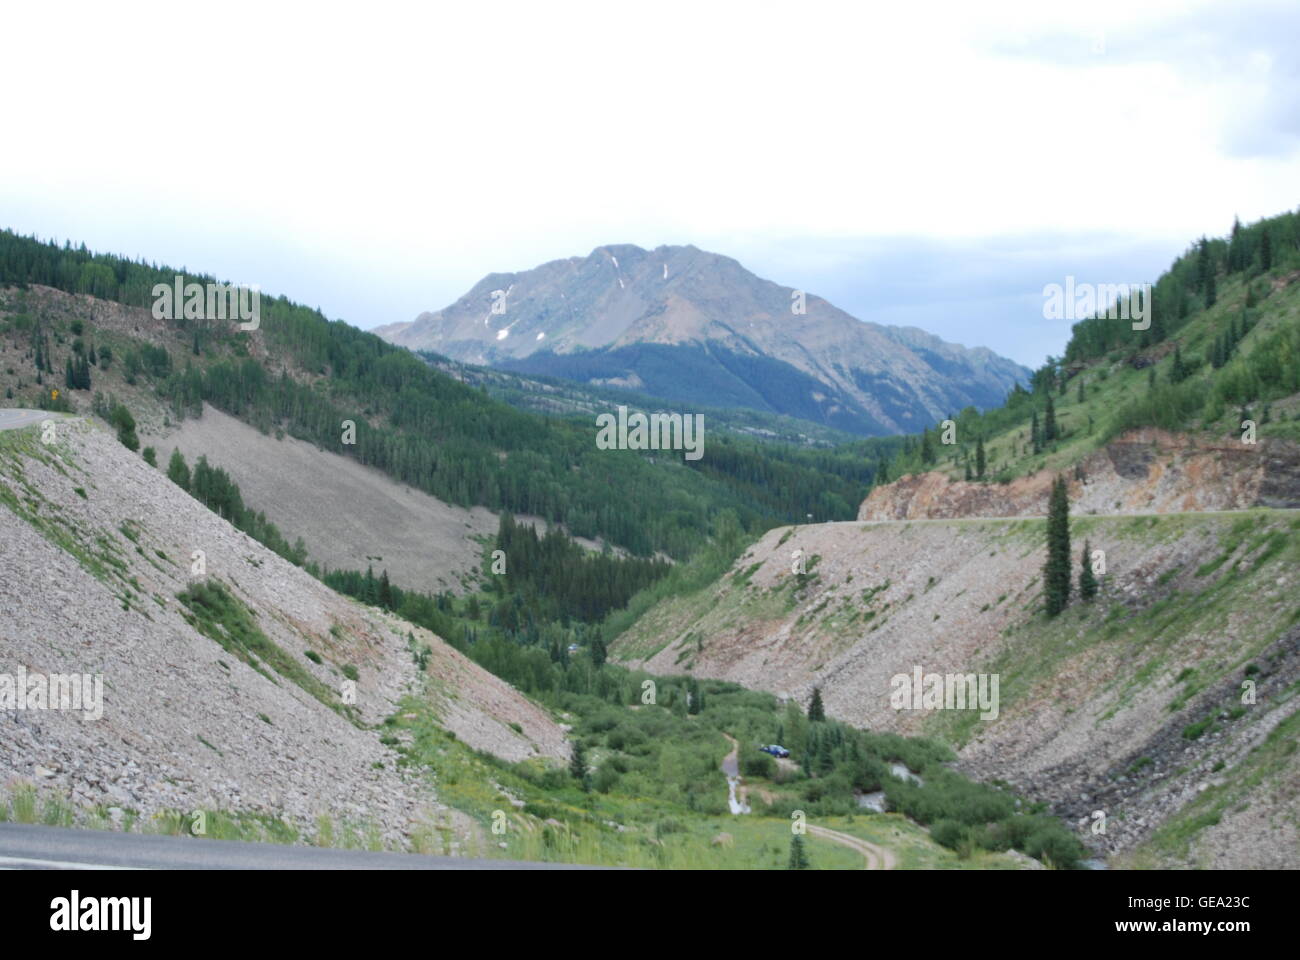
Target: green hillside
{"points": [[1223, 346], [305, 375]]}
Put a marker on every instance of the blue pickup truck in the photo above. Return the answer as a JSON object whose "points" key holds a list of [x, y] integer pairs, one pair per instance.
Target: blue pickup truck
{"points": [[775, 750]]}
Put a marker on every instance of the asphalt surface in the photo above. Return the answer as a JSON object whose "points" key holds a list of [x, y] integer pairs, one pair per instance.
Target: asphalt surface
{"points": [[29, 847], [12, 418]]}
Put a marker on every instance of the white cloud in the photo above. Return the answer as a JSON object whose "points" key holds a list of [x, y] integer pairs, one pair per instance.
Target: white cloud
{"points": [[379, 161]]}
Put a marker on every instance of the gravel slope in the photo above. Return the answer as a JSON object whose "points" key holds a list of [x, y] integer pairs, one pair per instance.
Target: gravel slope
{"points": [[185, 723], [349, 515]]}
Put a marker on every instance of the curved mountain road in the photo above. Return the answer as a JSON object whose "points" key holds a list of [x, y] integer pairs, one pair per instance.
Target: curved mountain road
{"points": [[33, 847], [13, 418]]}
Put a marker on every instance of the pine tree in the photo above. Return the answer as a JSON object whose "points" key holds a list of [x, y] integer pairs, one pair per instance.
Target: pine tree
{"points": [[816, 712], [1204, 265], [385, 591], [980, 462], [966, 461], [1056, 571], [1234, 247], [1082, 395], [825, 758], [798, 856], [125, 424], [1087, 580], [927, 447], [1158, 332], [1035, 434], [178, 472], [578, 766], [1049, 422], [1266, 251]]}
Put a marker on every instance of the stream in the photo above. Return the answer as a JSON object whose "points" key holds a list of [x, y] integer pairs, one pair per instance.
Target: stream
{"points": [[731, 770]]}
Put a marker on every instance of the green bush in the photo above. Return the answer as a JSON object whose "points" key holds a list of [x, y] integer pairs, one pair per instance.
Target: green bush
{"points": [[754, 763], [1052, 843], [947, 833]]}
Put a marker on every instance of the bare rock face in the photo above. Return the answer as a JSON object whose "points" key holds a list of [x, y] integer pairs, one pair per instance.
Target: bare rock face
{"points": [[1144, 471], [692, 326]]}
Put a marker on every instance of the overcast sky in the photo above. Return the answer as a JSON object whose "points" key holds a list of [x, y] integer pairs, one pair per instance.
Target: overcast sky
{"points": [[932, 166]]}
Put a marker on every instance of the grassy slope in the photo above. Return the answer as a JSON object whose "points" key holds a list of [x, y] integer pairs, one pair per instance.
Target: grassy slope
{"points": [[1111, 382]]}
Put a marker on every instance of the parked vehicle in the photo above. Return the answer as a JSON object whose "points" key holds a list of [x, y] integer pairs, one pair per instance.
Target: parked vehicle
{"points": [[775, 750]]}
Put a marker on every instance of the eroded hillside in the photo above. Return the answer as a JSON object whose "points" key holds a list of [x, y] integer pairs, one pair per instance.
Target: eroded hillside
{"points": [[226, 691], [1130, 704], [351, 516], [1143, 471]]}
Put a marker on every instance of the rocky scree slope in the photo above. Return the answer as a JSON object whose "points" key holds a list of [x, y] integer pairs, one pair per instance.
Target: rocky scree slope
{"points": [[96, 546]]}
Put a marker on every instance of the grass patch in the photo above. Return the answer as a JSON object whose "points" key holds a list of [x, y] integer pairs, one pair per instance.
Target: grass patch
{"points": [[220, 616]]}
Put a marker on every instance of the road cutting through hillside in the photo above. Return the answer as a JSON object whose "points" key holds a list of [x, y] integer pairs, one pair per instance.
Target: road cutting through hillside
{"points": [[874, 857], [13, 418]]}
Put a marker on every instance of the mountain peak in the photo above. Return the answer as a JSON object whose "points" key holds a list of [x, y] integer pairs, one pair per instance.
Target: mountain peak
{"points": [[697, 327]]}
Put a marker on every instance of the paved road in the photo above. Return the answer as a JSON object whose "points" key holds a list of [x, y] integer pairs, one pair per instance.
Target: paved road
{"points": [[29, 847], [12, 418]]}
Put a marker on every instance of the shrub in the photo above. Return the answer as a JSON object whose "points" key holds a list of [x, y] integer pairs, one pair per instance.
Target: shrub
{"points": [[756, 764], [1194, 731], [1053, 843], [125, 423], [606, 778], [947, 833]]}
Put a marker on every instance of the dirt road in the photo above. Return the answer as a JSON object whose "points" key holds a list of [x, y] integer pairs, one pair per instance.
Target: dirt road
{"points": [[877, 858]]}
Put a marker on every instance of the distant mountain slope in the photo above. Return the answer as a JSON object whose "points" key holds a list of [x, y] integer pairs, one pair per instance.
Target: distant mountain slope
{"points": [[355, 517], [560, 397], [698, 328], [303, 375]]}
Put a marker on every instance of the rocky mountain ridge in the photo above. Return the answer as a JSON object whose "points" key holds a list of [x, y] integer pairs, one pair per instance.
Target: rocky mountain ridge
{"points": [[693, 326]]}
